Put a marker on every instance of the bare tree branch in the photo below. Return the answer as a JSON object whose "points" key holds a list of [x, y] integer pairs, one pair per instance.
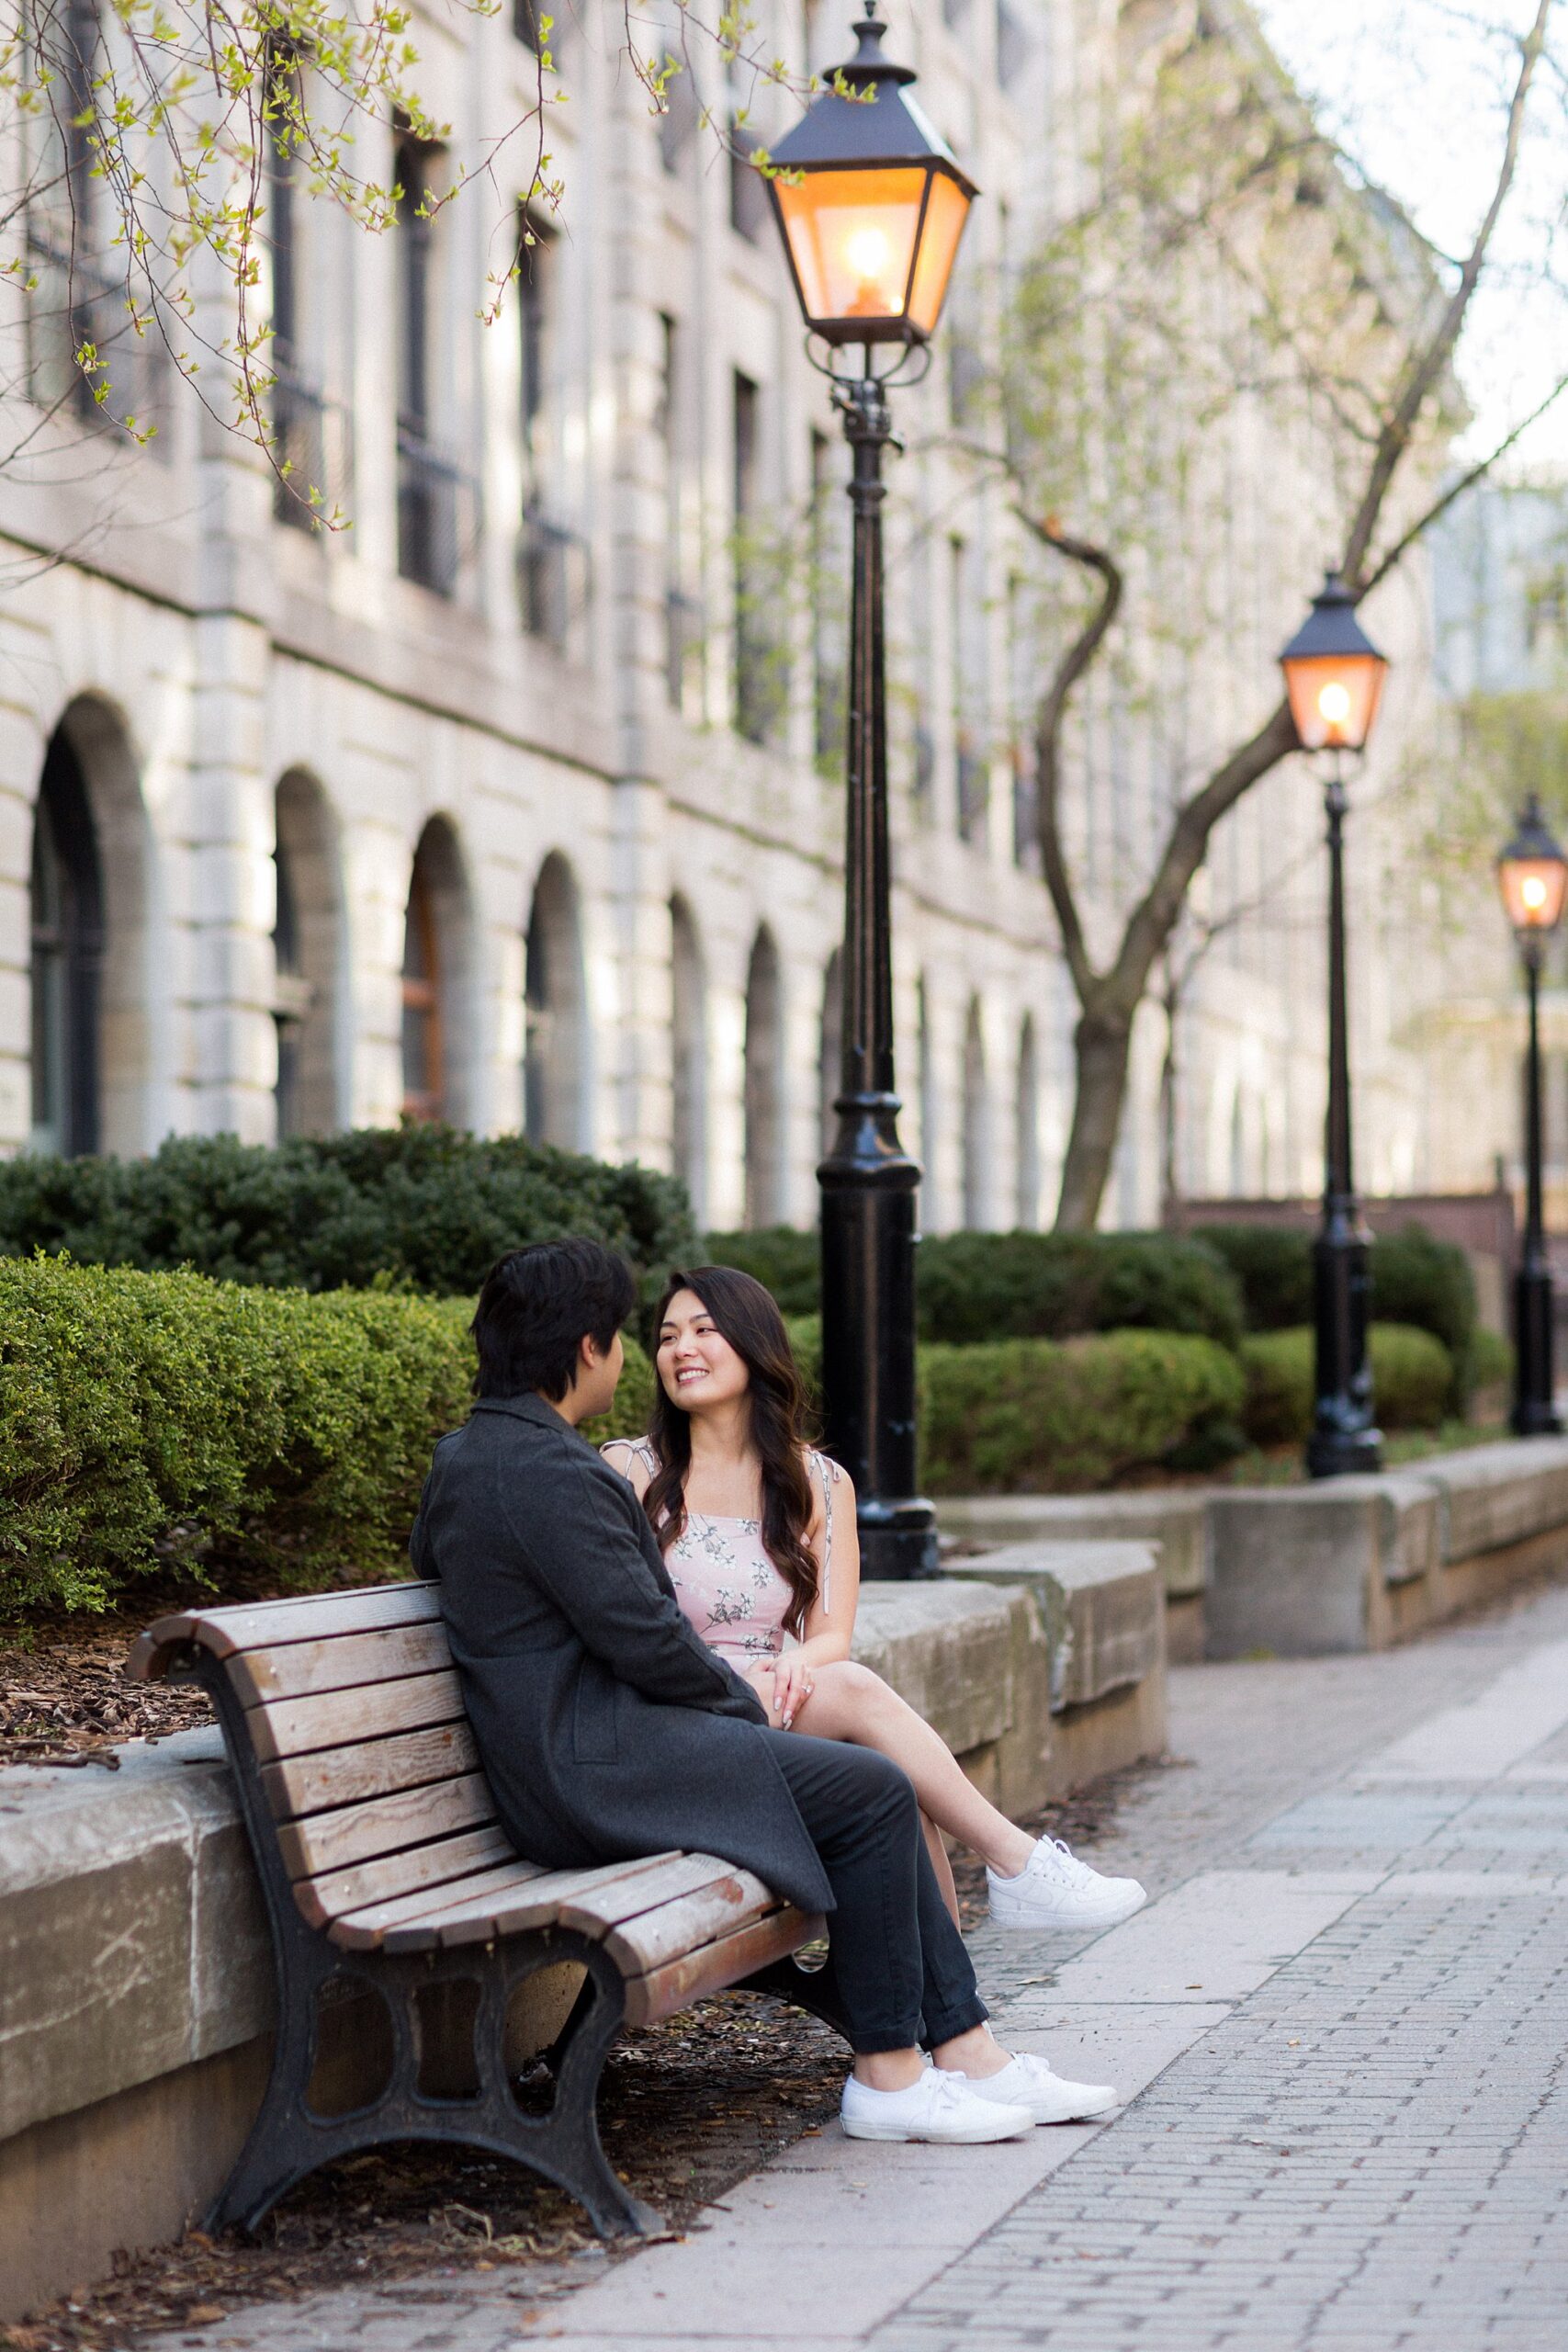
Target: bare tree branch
{"points": [[1428, 363]]}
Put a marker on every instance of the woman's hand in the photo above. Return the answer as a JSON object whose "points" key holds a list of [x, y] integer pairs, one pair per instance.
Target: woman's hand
{"points": [[793, 1685]]}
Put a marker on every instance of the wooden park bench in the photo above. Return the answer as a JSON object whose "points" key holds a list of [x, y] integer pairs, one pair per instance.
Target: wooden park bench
{"points": [[387, 1874]]}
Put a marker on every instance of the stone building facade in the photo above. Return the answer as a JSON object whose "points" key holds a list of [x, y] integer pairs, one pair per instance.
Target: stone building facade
{"points": [[514, 803]]}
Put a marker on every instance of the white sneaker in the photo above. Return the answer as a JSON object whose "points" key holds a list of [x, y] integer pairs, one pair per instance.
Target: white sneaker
{"points": [[1027, 2081], [1053, 1888], [939, 2106]]}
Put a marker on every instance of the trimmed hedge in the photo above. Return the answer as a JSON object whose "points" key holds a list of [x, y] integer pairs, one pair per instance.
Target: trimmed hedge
{"points": [[164, 1422], [428, 1208], [979, 1287], [782, 1257], [1412, 1382], [1037, 1415], [1416, 1279]]}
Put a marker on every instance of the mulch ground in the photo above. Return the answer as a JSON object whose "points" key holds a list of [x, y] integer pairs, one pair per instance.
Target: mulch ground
{"points": [[687, 2108]]}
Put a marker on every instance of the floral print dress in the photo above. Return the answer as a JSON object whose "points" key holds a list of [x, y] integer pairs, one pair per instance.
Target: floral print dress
{"points": [[724, 1579]]}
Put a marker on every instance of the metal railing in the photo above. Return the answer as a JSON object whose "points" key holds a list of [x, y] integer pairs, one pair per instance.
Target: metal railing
{"points": [[438, 513], [313, 441]]}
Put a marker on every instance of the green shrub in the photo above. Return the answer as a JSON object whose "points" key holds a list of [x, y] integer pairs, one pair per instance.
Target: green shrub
{"points": [[1416, 1279], [165, 1421], [1412, 1382], [1036, 1416], [1491, 1360], [975, 1287], [425, 1207], [1273, 1265], [780, 1257], [1429, 1284]]}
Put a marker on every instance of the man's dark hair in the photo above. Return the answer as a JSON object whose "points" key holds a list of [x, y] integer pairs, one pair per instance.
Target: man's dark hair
{"points": [[535, 1308]]}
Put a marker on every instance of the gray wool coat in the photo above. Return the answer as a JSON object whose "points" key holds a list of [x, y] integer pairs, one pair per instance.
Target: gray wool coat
{"points": [[606, 1726]]}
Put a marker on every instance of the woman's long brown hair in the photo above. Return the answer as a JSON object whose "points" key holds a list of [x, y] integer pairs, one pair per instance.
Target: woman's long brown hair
{"points": [[748, 1316]]}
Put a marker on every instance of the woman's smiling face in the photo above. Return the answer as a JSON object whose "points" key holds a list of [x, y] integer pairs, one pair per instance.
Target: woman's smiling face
{"points": [[696, 1364]]}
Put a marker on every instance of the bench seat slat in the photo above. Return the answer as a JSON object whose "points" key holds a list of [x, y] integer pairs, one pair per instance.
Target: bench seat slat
{"points": [[334, 1776], [251, 1623], [624, 1887], [343, 1718], [595, 1913], [665, 1991], [334, 1893], [652, 1939], [356, 1833], [364, 1930], [348, 1661]]}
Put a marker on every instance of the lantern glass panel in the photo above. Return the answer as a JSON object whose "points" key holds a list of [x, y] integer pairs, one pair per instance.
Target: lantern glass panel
{"points": [[1334, 698], [852, 237], [1533, 890], [945, 215]]}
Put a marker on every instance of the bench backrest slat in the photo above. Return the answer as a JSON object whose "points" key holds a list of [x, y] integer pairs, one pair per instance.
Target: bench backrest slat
{"points": [[343, 1718], [357, 1833], [345, 1661], [375, 1768], [259, 1624], [335, 1892]]}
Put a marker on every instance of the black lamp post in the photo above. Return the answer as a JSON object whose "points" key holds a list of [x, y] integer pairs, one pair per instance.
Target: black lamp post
{"points": [[872, 206], [1533, 876], [1333, 676]]}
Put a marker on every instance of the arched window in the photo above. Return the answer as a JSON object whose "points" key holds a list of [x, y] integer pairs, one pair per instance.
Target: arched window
{"points": [[977, 1120], [554, 1071], [306, 948], [688, 1072], [67, 947], [438, 1045], [831, 1049], [765, 1084], [1026, 1128], [424, 1039]]}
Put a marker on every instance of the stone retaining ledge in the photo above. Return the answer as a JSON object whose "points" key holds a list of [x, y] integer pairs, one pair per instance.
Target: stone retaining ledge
{"points": [[1345, 1564], [136, 1995]]}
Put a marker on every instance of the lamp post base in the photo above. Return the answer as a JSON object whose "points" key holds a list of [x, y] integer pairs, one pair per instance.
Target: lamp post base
{"points": [[898, 1542], [1535, 1410], [868, 1335], [1342, 1454], [1344, 1439]]}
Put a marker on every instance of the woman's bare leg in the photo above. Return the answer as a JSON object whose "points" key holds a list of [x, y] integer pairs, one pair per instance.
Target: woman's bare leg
{"points": [[937, 1848], [850, 1703]]}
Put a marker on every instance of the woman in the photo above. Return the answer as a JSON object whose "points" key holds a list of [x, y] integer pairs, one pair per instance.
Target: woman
{"points": [[758, 1531]]}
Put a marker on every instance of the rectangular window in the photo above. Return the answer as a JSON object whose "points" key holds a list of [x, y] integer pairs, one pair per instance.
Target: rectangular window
{"points": [[755, 680], [437, 504], [829, 604], [966, 638], [682, 631]]}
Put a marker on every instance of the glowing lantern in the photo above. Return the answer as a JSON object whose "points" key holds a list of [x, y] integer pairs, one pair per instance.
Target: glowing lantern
{"points": [[1334, 673], [872, 204], [1532, 875]]}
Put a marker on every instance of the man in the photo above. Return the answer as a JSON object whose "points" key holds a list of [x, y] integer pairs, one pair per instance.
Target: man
{"points": [[608, 1728]]}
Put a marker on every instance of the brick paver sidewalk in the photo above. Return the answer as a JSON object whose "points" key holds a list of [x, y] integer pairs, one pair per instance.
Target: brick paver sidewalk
{"points": [[1343, 2015]]}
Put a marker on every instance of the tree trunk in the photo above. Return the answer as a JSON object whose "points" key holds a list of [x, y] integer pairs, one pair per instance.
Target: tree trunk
{"points": [[1102, 1044]]}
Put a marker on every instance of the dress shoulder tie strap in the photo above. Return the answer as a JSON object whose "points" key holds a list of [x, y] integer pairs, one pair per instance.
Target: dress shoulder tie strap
{"points": [[828, 1472]]}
